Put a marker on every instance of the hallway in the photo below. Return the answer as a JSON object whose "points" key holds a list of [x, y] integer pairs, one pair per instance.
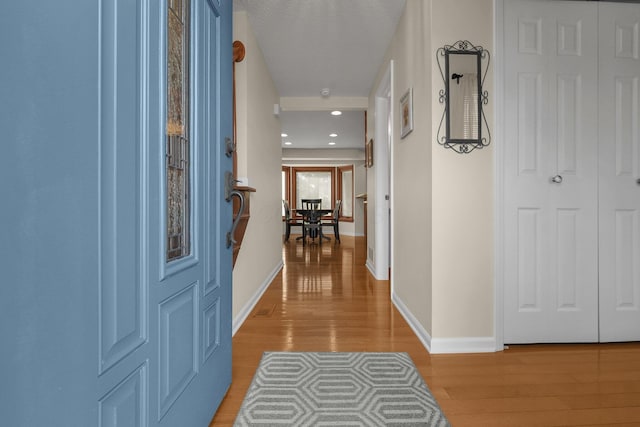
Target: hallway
{"points": [[324, 299]]}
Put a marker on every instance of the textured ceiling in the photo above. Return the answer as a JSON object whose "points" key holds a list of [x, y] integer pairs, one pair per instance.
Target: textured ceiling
{"points": [[309, 45]]}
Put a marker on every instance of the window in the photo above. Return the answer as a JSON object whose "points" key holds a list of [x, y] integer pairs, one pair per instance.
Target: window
{"points": [[177, 150], [285, 187], [313, 183], [328, 183], [345, 191]]}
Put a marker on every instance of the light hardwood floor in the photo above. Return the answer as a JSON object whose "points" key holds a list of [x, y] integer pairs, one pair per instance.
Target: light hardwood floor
{"points": [[324, 299]]}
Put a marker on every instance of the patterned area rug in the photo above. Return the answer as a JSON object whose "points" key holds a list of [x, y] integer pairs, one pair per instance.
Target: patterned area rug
{"points": [[338, 389]]}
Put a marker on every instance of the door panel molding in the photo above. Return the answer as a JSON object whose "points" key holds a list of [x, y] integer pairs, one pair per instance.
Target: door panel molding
{"points": [[567, 242], [122, 282], [210, 132], [569, 122], [529, 123], [178, 324], [211, 329], [127, 402]]}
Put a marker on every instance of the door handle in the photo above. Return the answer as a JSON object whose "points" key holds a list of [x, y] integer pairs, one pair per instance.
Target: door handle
{"points": [[557, 179], [229, 185], [229, 193], [638, 181], [230, 234]]}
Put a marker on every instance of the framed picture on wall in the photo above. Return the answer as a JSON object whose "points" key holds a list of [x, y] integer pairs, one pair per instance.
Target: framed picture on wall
{"points": [[368, 154], [406, 111]]}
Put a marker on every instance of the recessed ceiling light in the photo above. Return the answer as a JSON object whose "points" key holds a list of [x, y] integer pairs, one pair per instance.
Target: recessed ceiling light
{"points": [[332, 143], [336, 113], [284, 135], [333, 135], [287, 143]]}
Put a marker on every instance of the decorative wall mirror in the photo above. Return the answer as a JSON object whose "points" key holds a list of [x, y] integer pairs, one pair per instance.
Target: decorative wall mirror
{"points": [[463, 126]]}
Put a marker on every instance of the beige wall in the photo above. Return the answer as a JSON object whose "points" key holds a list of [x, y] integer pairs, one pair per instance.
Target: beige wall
{"points": [[411, 157], [259, 161], [442, 202], [463, 194]]}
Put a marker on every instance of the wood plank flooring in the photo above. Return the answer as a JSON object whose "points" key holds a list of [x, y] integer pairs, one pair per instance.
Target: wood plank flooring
{"points": [[324, 299]]}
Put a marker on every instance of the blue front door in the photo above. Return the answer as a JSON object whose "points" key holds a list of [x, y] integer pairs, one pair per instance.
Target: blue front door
{"points": [[115, 303]]}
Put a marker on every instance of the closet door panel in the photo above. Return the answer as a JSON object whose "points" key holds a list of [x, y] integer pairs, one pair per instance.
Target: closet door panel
{"points": [[619, 171], [550, 287]]}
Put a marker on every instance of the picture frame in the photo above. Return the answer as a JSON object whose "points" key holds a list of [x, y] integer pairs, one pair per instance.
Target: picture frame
{"points": [[368, 154], [406, 113]]}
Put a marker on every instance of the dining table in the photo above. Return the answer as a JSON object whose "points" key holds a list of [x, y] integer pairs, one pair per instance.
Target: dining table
{"points": [[314, 217]]}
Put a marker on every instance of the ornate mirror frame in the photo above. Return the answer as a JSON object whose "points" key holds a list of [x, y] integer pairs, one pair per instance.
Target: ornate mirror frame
{"points": [[463, 126]]}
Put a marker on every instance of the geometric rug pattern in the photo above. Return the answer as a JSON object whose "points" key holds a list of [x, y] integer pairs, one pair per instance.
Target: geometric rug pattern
{"points": [[338, 389]]}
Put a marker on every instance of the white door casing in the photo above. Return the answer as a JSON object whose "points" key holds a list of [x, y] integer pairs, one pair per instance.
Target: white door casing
{"points": [[378, 206]]}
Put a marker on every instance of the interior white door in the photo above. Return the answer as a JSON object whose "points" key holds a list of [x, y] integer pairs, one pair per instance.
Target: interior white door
{"points": [[550, 177], [619, 169]]}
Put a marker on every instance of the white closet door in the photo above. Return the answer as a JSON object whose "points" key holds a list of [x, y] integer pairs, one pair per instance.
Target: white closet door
{"points": [[551, 240], [619, 159]]}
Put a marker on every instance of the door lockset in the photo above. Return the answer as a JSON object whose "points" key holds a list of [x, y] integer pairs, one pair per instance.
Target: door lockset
{"points": [[229, 147]]}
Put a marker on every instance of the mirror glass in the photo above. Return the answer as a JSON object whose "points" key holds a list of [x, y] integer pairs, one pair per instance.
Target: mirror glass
{"points": [[463, 126], [463, 100]]}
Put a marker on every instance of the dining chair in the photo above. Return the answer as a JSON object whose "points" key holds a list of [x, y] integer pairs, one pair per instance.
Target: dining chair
{"points": [[334, 222], [289, 221], [311, 223], [311, 228], [311, 203]]}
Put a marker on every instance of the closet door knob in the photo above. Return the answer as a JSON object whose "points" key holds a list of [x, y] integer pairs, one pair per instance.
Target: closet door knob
{"points": [[557, 179]]}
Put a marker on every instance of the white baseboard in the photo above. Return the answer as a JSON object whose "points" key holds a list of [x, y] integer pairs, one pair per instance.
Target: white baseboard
{"points": [[248, 307], [374, 272], [369, 266], [417, 328], [444, 345], [463, 345]]}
